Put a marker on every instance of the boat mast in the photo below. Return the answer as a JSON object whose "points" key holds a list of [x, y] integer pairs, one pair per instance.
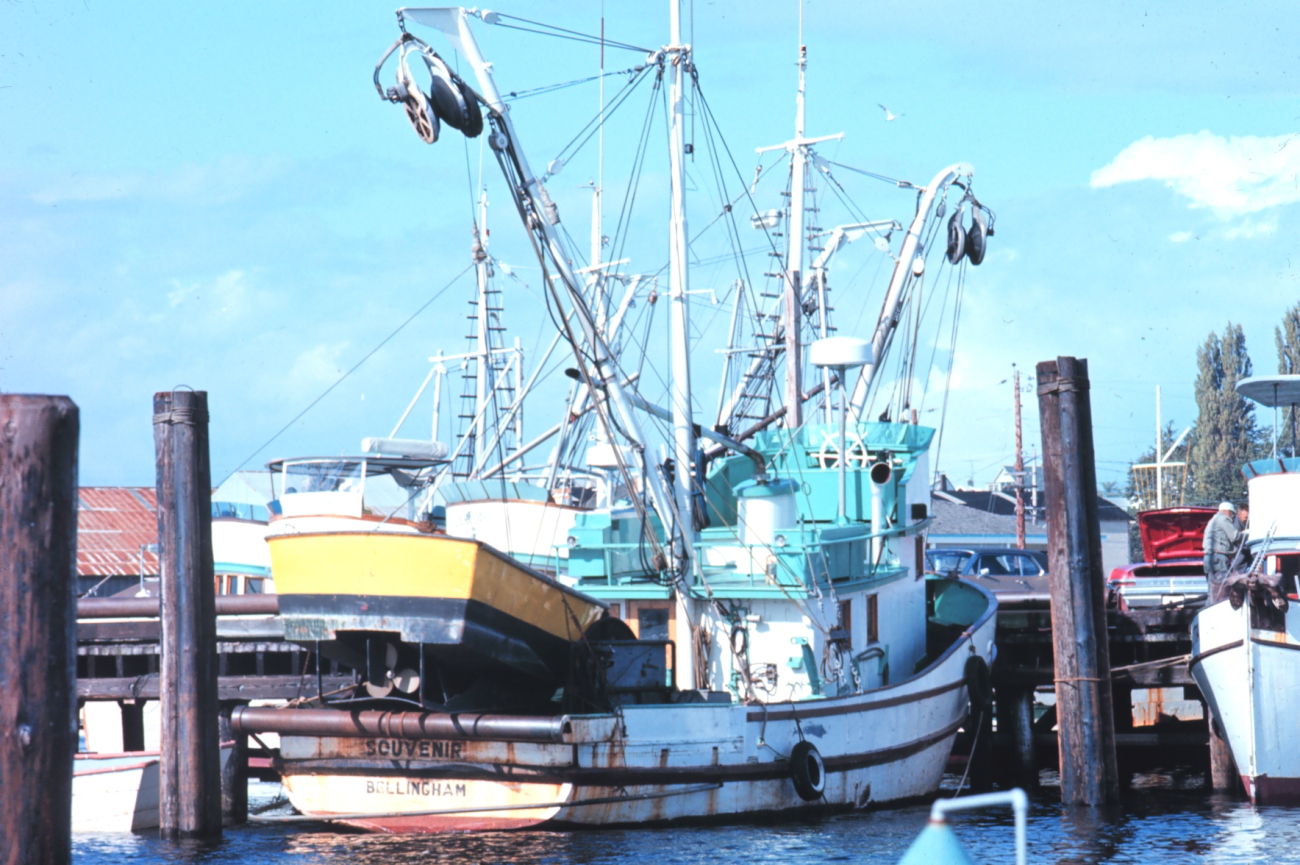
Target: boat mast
{"points": [[794, 256], [683, 438], [483, 359]]}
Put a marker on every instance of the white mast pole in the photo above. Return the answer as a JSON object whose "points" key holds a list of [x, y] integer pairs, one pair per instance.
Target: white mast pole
{"points": [[483, 357], [683, 432], [1160, 447], [683, 437], [794, 256]]}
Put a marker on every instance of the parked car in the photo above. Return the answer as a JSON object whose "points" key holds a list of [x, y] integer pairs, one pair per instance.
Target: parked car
{"points": [[999, 569], [1172, 572]]}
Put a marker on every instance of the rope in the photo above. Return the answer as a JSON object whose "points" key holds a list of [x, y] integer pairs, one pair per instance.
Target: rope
{"points": [[964, 775]]}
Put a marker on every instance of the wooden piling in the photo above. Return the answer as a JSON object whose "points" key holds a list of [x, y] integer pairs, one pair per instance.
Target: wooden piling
{"points": [[38, 626], [1085, 713], [1223, 769], [189, 803]]}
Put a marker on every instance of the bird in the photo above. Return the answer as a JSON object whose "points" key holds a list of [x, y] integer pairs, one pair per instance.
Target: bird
{"points": [[889, 115]]}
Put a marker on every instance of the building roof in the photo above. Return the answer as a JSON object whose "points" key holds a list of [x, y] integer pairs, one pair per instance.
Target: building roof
{"points": [[113, 523], [997, 502], [952, 518]]}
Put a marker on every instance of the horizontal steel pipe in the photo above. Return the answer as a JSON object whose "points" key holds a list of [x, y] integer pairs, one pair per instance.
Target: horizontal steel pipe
{"points": [[147, 608], [373, 723]]}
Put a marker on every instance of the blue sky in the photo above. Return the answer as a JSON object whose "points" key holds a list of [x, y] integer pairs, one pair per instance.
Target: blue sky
{"points": [[214, 196]]}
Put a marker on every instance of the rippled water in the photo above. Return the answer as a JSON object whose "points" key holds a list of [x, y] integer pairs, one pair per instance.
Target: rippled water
{"points": [[1165, 817]]}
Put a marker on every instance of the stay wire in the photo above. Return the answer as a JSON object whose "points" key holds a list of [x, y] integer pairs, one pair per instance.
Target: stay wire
{"points": [[354, 368], [563, 33]]}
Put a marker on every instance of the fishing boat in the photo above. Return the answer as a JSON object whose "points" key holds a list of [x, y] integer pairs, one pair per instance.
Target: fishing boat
{"points": [[1246, 646], [739, 625]]}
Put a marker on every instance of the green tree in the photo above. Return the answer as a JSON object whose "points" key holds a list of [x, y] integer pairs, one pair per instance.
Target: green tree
{"points": [[1288, 363], [1226, 436]]}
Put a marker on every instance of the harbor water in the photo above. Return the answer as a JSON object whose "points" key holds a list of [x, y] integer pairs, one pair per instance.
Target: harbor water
{"points": [[1166, 817]]}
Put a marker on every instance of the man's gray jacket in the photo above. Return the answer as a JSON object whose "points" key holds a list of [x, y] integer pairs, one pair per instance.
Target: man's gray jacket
{"points": [[1221, 534]]}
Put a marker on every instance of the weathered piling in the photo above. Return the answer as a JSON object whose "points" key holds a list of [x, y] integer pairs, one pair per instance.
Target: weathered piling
{"points": [[1085, 715], [38, 566], [189, 803], [1223, 769]]}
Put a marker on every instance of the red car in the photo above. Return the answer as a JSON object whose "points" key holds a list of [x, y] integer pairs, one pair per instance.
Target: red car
{"points": [[1174, 571]]}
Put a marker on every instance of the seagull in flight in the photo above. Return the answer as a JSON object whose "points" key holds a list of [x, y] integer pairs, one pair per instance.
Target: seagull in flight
{"points": [[889, 115]]}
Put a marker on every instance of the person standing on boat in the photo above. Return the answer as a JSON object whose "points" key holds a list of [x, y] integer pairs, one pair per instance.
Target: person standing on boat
{"points": [[1221, 536]]}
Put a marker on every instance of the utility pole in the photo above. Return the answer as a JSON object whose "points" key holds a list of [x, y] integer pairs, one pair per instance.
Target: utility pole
{"points": [[1020, 473], [1160, 481]]}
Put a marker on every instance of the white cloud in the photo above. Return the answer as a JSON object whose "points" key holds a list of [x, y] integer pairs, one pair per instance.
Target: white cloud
{"points": [[1250, 228], [225, 180], [1232, 176], [1180, 237]]}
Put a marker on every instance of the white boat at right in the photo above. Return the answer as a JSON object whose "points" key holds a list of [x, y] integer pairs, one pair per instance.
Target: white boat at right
{"points": [[1246, 647]]}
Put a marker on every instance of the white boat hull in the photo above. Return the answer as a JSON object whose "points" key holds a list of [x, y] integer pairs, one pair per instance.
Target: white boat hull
{"points": [[117, 792], [674, 762], [1248, 676]]}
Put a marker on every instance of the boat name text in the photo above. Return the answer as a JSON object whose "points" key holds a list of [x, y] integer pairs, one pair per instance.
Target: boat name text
{"points": [[410, 748]]}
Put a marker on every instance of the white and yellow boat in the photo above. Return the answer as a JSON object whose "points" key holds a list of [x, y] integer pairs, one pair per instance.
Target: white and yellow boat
{"points": [[401, 602]]}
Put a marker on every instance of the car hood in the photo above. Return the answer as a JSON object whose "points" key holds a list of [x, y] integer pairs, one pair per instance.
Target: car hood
{"points": [[1173, 533]]}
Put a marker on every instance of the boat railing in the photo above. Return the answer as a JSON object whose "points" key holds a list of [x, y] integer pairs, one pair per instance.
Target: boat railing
{"points": [[804, 559]]}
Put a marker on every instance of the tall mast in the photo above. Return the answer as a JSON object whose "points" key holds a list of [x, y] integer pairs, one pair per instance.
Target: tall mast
{"points": [[794, 256], [683, 435], [482, 387]]}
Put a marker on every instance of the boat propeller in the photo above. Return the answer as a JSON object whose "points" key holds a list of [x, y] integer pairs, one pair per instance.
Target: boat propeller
{"points": [[971, 242], [383, 677], [449, 99]]}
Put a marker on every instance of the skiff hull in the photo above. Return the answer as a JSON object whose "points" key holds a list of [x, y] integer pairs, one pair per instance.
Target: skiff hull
{"points": [[1248, 677]]}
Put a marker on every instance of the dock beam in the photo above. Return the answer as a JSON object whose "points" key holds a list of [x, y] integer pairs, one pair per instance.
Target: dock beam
{"points": [[1085, 714], [189, 794], [38, 626]]}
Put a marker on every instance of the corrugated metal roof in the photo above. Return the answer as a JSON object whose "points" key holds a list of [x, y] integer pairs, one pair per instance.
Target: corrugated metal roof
{"points": [[113, 523]]}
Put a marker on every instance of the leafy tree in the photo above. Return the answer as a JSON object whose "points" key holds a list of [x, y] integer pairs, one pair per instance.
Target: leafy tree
{"points": [[1288, 361], [1226, 435]]}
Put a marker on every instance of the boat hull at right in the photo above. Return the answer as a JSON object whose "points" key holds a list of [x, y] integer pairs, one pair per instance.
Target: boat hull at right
{"points": [[1248, 674]]}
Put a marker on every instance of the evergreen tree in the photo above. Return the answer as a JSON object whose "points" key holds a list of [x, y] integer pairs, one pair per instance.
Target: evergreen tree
{"points": [[1226, 436], [1288, 363]]}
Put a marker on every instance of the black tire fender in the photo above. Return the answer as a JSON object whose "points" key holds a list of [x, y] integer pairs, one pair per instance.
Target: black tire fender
{"points": [[979, 686], [808, 771]]}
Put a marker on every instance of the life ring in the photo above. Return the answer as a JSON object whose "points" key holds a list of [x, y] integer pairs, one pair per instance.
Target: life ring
{"points": [[807, 771], [979, 687]]}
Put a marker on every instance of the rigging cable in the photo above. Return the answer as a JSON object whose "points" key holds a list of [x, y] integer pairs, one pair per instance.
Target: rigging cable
{"points": [[354, 368]]}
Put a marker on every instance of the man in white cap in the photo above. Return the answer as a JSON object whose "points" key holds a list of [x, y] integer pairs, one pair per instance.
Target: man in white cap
{"points": [[1221, 536]]}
